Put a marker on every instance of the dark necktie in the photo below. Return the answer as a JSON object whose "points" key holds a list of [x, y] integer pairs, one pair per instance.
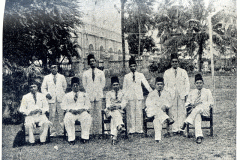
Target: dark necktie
{"points": [[159, 93], [133, 77], [76, 97], [34, 97], [175, 73], [116, 94], [198, 97], [54, 79], [93, 74]]}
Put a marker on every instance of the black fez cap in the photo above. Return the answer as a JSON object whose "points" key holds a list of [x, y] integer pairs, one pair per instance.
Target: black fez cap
{"points": [[32, 81], [174, 56], [132, 61], [159, 79], [198, 77], [75, 80], [114, 80], [90, 56]]}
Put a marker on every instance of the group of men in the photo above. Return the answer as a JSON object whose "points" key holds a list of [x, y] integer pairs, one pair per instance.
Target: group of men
{"points": [[166, 103]]}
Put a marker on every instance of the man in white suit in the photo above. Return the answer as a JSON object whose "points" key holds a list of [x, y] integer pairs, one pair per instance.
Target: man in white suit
{"points": [[132, 88], [54, 86], [177, 83], [93, 82], [157, 102], [77, 105], [115, 103], [34, 105], [198, 101]]}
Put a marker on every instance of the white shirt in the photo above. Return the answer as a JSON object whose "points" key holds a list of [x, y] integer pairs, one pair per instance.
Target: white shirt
{"points": [[82, 102], [28, 103], [206, 97], [94, 88], [180, 83], [111, 99], [57, 91], [133, 89], [153, 101]]}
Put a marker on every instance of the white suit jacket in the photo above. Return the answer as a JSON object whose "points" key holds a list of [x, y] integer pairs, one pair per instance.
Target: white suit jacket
{"points": [[111, 99], [153, 101], [133, 89], [57, 91], [206, 97], [28, 103], [94, 88], [82, 102], [180, 83]]}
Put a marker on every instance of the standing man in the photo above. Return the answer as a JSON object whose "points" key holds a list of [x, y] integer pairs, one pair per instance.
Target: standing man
{"points": [[54, 86], [34, 105], [77, 107], [132, 88], [177, 83], [93, 82], [157, 102], [199, 102]]}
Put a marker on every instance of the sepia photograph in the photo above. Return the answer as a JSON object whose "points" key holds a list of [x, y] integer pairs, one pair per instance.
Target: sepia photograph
{"points": [[119, 79]]}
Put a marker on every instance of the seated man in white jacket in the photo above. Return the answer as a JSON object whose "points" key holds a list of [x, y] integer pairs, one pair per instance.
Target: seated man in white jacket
{"points": [[199, 101], [77, 105], [115, 103], [157, 102], [34, 105]]}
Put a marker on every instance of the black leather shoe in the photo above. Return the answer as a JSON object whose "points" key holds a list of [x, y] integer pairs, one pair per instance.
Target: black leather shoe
{"points": [[32, 144], [114, 142], [71, 142], [42, 143], [157, 141], [183, 126], [170, 121], [84, 141], [199, 140]]}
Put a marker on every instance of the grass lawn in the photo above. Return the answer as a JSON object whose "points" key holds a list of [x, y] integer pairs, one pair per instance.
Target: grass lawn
{"points": [[221, 146]]}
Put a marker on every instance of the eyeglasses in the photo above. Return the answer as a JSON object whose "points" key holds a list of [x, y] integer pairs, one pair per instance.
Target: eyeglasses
{"points": [[174, 61]]}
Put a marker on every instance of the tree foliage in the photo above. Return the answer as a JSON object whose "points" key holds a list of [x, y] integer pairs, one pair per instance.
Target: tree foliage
{"points": [[40, 28], [138, 14]]}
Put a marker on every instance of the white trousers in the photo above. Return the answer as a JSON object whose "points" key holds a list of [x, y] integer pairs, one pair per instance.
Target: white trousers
{"points": [[56, 110], [135, 116], [159, 118], [178, 113], [85, 120], [196, 119], [30, 124], [116, 120], [95, 111]]}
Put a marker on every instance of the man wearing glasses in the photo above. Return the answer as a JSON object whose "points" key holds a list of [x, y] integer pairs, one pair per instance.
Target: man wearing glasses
{"points": [[177, 83]]}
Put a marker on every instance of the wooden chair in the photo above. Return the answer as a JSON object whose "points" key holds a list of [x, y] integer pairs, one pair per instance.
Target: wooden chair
{"points": [[108, 121], [146, 120], [206, 119], [26, 134]]}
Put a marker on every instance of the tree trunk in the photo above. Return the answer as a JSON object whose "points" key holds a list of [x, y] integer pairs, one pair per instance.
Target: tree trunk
{"points": [[200, 53]]}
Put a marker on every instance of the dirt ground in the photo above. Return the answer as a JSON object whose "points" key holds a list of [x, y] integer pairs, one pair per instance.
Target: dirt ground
{"points": [[221, 146]]}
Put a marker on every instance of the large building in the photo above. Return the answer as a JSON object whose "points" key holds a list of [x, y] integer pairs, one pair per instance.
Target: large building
{"points": [[101, 32]]}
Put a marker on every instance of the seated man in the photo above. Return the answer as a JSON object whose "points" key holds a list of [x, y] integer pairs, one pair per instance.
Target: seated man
{"points": [[115, 104], [77, 105], [34, 105], [157, 102], [198, 103]]}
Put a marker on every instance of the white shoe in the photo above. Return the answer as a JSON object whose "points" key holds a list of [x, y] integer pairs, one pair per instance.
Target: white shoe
{"points": [[54, 134]]}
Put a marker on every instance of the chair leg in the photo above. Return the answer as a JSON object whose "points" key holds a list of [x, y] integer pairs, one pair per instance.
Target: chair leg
{"points": [[211, 128], [103, 136], [48, 135], [24, 131], [187, 134], [64, 133]]}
